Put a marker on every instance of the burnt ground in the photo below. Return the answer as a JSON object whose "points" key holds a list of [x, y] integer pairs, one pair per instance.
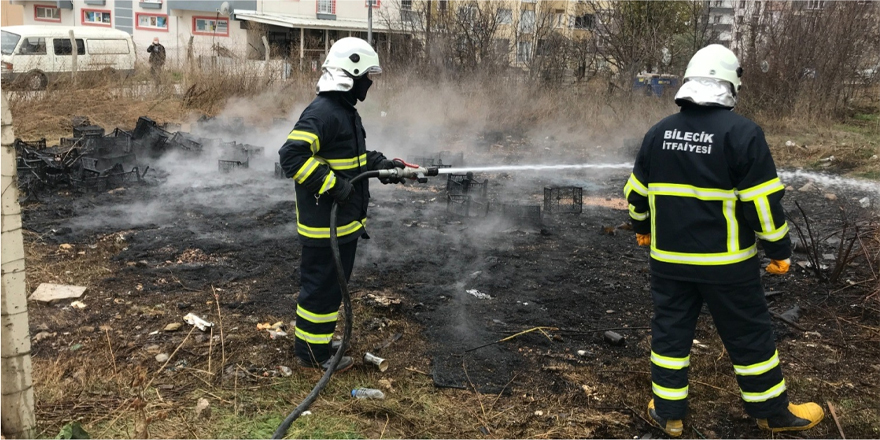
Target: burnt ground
{"points": [[152, 253]]}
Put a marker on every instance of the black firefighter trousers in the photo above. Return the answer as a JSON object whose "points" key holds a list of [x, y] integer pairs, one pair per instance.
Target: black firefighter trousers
{"points": [[742, 318], [319, 298]]}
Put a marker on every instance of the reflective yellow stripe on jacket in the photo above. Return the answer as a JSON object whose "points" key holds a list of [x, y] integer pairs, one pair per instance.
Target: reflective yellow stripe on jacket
{"points": [[309, 138], [728, 198], [347, 163]]}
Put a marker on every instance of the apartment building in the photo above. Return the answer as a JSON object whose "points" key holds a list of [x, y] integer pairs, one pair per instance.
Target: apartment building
{"points": [[301, 29]]}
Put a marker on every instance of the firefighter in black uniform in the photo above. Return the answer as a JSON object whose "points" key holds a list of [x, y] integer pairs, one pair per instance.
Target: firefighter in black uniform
{"points": [[703, 188], [324, 151]]}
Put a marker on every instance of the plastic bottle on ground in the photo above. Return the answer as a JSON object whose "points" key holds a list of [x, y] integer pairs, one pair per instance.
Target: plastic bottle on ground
{"points": [[367, 393]]}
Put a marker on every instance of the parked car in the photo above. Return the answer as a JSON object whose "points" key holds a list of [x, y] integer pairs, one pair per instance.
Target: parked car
{"points": [[33, 55]]}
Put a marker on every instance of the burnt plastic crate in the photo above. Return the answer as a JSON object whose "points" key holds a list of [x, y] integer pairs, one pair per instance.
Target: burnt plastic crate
{"points": [[563, 200], [466, 184], [526, 213], [88, 131], [226, 166], [465, 206]]}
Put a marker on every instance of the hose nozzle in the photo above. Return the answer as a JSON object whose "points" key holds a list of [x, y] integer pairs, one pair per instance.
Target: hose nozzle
{"points": [[414, 172]]}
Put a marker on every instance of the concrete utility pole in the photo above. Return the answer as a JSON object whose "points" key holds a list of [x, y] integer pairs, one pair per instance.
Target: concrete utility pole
{"points": [[73, 60], [370, 22], [17, 406]]}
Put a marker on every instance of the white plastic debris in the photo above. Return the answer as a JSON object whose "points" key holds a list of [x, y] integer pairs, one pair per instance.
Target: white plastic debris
{"points": [[47, 292], [162, 357], [865, 202], [78, 305], [277, 333], [306, 413], [285, 371], [479, 295], [790, 144], [198, 322], [827, 159]]}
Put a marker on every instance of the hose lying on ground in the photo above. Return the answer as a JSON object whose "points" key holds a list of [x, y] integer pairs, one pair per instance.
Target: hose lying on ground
{"points": [[346, 306]]}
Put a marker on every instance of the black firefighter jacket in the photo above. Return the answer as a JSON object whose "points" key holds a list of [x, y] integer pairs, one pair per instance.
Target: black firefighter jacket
{"points": [[327, 144], [705, 186]]}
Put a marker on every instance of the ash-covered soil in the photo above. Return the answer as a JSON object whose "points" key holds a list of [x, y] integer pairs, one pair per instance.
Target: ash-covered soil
{"points": [[170, 245]]}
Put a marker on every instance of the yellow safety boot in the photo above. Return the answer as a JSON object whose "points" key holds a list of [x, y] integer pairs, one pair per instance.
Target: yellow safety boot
{"points": [[672, 427], [794, 418]]}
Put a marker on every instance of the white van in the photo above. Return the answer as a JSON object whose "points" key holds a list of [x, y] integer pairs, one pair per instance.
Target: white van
{"points": [[32, 54]]}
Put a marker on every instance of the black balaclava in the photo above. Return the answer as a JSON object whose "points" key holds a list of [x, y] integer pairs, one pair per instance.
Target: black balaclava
{"points": [[361, 86]]}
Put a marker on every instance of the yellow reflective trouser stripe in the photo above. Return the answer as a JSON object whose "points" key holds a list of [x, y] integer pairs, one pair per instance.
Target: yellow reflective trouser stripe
{"points": [[759, 368], [637, 215], [316, 317], [347, 164], [313, 338], [671, 363], [633, 184], [309, 138], [774, 235], [766, 395], [762, 190], [703, 259], [675, 189], [343, 230], [669, 393], [306, 170], [329, 181], [732, 225]]}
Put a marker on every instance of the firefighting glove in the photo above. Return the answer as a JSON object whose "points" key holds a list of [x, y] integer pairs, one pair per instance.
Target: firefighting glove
{"points": [[643, 239], [388, 165], [341, 191], [779, 267]]}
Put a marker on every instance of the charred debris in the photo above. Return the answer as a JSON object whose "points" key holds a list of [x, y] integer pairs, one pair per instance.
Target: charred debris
{"points": [[95, 160]]}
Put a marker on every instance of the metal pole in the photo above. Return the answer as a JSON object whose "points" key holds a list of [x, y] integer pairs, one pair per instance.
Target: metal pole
{"points": [[370, 22]]}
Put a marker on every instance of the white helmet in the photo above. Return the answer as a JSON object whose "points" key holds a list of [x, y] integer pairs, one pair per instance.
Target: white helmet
{"points": [[717, 62], [353, 55]]}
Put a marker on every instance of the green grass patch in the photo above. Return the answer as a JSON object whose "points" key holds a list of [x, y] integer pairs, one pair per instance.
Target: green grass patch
{"points": [[869, 117]]}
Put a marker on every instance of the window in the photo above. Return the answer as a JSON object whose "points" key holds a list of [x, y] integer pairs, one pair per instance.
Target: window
{"points": [[742, 4], [523, 51], [376, 3], [502, 46], [107, 47], [211, 26], [10, 40], [719, 3], [327, 7], [543, 48], [505, 16], [443, 5], [739, 19], [586, 21], [47, 13], [527, 21], [716, 19], [33, 46], [406, 5], [815, 4], [95, 17], [158, 22], [63, 47], [559, 18]]}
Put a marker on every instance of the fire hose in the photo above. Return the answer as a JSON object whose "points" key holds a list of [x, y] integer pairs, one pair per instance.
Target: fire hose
{"points": [[410, 171]]}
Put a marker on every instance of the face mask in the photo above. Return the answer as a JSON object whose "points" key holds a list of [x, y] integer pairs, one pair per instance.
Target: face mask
{"points": [[361, 86]]}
